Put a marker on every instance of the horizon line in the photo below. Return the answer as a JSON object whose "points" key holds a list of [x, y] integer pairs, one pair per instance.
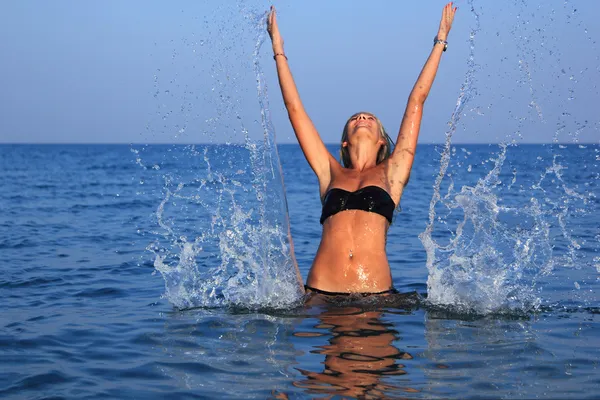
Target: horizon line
{"points": [[278, 144]]}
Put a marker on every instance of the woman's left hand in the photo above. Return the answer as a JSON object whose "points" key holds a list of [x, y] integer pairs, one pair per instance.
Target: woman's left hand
{"points": [[446, 22]]}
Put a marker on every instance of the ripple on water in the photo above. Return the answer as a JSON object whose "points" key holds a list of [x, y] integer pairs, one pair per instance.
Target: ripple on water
{"points": [[110, 292], [37, 382], [32, 282]]}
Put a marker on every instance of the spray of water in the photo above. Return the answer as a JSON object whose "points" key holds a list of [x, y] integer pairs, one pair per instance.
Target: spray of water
{"points": [[242, 252], [483, 255]]}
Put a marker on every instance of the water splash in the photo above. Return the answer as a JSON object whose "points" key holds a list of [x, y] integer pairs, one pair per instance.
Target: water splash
{"points": [[492, 262], [486, 251], [235, 210]]}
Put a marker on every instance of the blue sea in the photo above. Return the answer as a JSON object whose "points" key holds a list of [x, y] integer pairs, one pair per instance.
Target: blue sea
{"points": [[164, 271]]}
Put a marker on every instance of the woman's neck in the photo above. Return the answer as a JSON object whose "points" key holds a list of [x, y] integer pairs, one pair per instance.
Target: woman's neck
{"points": [[362, 158]]}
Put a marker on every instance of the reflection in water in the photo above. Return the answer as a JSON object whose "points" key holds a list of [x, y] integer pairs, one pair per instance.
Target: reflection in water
{"points": [[359, 354]]}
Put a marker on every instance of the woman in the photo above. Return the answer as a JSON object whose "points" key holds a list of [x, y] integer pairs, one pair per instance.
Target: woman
{"points": [[359, 197]]}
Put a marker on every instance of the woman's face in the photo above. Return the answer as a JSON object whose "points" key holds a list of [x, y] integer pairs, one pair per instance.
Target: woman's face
{"points": [[362, 125]]}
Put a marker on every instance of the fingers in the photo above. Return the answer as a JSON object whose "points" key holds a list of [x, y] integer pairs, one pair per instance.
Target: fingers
{"points": [[446, 21], [272, 16], [271, 21], [448, 12], [274, 30]]}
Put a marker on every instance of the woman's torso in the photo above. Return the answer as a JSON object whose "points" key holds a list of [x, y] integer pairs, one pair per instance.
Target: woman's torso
{"points": [[351, 256]]}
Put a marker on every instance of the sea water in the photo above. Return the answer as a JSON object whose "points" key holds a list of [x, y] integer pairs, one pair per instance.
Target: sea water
{"points": [[86, 316], [507, 260]]}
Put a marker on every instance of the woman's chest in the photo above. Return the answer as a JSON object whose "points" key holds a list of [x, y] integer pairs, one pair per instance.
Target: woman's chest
{"points": [[353, 180]]}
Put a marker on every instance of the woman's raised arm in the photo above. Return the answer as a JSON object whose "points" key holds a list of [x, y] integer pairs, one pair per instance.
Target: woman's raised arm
{"points": [[311, 143], [403, 156]]}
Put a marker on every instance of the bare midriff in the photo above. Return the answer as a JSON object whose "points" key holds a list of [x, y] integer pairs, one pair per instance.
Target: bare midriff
{"points": [[351, 257]]}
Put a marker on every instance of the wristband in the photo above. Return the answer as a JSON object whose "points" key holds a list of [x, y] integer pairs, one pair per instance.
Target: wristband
{"points": [[436, 41]]}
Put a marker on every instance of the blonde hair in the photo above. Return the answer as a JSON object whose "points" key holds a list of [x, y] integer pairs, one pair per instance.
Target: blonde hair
{"points": [[384, 151]]}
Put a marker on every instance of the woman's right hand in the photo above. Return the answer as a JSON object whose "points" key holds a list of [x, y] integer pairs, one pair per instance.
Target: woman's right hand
{"points": [[273, 30]]}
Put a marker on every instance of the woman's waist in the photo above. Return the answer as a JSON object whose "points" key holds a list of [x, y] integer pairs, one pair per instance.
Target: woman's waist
{"points": [[340, 239], [350, 272]]}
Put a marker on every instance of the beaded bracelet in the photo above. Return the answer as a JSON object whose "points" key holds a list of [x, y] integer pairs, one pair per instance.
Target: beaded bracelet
{"points": [[279, 54]]}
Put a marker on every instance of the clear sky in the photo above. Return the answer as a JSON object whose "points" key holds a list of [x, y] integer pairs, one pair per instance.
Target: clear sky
{"points": [[183, 72]]}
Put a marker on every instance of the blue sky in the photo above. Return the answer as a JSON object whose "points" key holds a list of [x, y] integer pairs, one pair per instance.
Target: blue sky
{"points": [[149, 71]]}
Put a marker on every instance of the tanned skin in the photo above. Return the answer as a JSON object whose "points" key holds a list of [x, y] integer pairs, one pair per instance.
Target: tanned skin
{"points": [[351, 257]]}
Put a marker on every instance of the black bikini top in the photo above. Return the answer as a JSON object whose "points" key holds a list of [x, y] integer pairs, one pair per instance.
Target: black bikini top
{"points": [[370, 198]]}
